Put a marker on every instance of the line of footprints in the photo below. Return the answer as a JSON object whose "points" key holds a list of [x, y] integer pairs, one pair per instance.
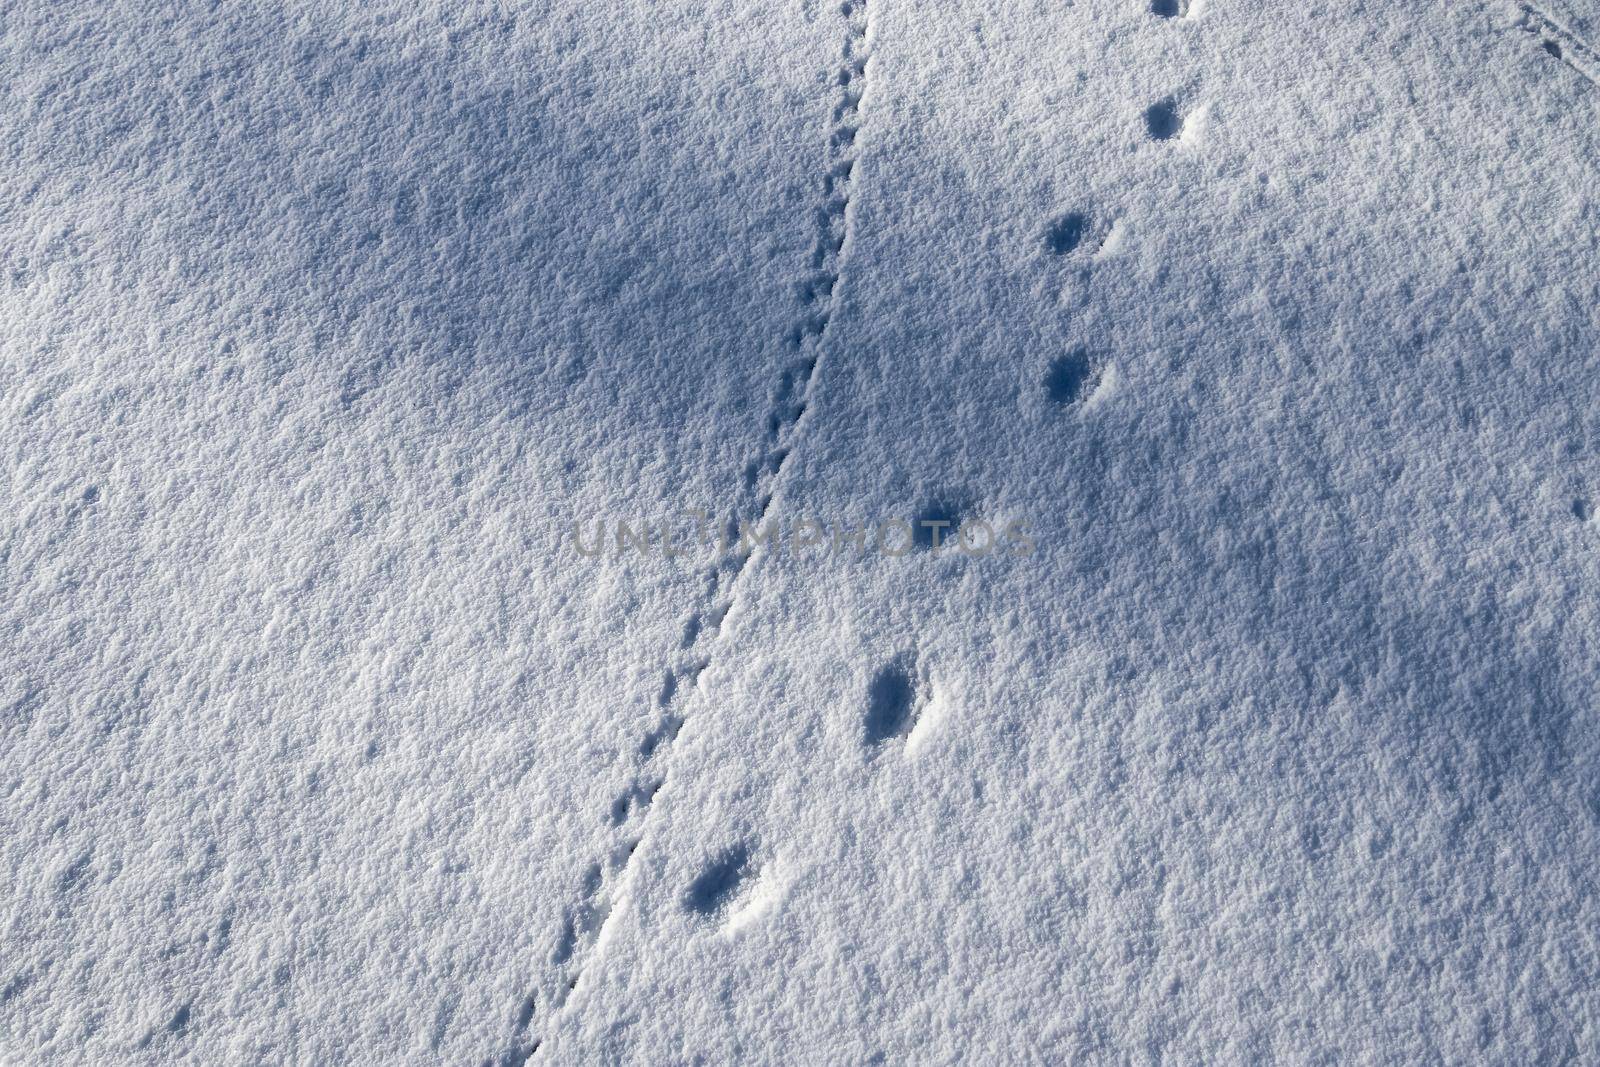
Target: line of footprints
{"points": [[1073, 378], [817, 298], [897, 693], [725, 874]]}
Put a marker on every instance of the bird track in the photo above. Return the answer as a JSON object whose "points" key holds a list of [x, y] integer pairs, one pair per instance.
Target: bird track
{"points": [[818, 301]]}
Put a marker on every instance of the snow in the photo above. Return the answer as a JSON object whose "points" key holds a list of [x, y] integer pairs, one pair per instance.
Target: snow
{"points": [[1273, 325]]}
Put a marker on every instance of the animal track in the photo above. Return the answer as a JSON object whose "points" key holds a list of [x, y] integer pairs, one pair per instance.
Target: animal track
{"points": [[936, 524], [1076, 233], [891, 705], [1066, 234], [1071, 378], [717, 886], [1176, 9], [818, 298], [1560, 42], [1162, 120]]}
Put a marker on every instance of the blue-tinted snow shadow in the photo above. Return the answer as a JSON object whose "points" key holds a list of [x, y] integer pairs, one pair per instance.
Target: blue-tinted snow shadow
{"points": [[351, 195]]}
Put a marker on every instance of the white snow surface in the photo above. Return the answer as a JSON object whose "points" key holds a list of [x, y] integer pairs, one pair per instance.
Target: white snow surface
{"points": [[1277, 325]]}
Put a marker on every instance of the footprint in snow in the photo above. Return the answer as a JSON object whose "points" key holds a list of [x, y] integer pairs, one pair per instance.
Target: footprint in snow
{"points": [[718, 884], [891, 705], [1071, 378]]}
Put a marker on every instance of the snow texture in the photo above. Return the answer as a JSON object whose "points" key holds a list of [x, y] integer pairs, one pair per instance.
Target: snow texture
{"points": [[1263, 337]]}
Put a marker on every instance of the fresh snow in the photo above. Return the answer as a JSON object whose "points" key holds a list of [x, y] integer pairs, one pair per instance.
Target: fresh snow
{"points": [[1263, 338]]}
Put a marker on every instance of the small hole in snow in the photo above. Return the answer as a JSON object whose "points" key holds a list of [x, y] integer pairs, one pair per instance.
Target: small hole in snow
{"points": [[1070, 378], [1066, 233]]}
